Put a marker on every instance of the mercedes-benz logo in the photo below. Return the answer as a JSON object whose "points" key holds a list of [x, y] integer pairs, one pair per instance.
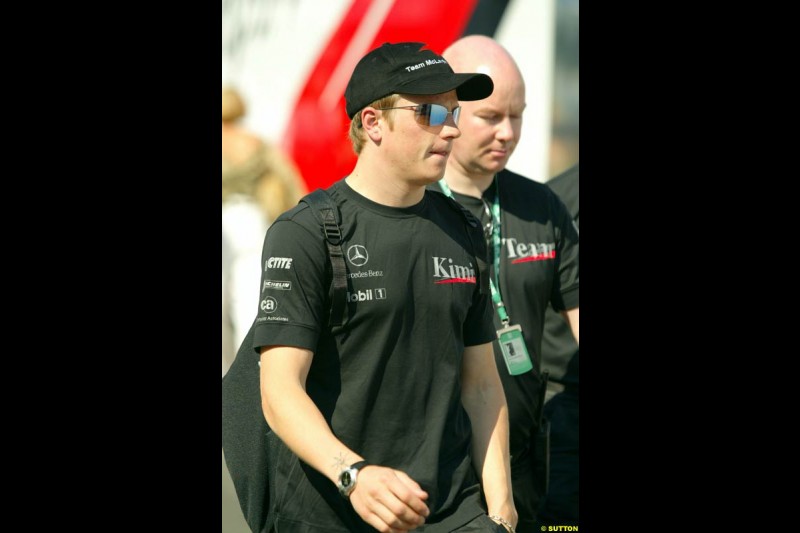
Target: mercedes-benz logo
{"points": [[357, 255]]}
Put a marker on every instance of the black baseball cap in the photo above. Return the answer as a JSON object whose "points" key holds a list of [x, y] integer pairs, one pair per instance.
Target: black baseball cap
{"points": [[407, 68]]}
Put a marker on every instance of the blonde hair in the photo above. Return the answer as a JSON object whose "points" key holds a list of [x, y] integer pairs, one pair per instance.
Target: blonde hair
{"points": [[357, 136], [265, 174], [280, 187], [269, 177], [233, 107]]}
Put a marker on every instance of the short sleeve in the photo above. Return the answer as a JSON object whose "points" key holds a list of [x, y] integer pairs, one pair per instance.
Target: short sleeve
{"points": [[294, 286], [565, 293]]}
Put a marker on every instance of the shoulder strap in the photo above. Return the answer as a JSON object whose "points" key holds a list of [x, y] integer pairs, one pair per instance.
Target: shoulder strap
{"points": [[327, 214]]}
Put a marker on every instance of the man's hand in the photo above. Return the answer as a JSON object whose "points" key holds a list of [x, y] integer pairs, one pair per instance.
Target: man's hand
{"points": [[389, 500]]}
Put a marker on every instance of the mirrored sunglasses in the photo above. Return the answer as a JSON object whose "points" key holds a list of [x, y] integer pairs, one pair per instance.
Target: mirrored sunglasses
{"points": [[430, 114]]}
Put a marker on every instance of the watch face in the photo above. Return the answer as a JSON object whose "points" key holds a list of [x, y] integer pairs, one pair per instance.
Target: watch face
{"points": [[347, 482], [347, 479]]}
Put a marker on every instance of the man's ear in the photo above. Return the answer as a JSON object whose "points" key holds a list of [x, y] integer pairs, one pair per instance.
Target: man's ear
{"points": [[371, 123]]}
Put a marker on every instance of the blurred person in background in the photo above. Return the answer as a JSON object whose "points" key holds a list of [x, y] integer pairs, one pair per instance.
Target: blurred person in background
{"points": [[533, 252], [258, 184], [560, 358]]}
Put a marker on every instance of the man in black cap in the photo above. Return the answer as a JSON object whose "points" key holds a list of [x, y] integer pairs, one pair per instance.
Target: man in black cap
{"points": [[394, 420]]}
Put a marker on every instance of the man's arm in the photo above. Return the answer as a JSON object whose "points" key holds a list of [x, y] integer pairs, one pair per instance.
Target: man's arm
{"points": [[384, 498], [485, 402], [572, 318]]}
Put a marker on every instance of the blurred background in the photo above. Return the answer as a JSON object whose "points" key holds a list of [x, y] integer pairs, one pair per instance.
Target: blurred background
{"points": [[290, 61]]}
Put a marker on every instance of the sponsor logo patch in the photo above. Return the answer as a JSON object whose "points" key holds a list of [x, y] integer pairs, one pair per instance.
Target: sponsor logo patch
{"points": [[278, 262], [367, 295], [365, 274], [357, 255], [279, 285], [269, 304], [272, 319]]}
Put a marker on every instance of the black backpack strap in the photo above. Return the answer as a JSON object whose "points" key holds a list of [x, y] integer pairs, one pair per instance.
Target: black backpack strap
{"points": [[327, 214]]}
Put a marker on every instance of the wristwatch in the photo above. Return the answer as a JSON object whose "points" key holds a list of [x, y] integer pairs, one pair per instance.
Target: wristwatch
{"points": [[348, 477]]}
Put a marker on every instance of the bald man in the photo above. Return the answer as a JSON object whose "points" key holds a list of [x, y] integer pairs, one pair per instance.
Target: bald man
{"points": [[533, 249]]}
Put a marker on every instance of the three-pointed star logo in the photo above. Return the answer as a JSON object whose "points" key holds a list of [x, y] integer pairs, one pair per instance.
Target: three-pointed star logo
{"points": [[357, 255]]}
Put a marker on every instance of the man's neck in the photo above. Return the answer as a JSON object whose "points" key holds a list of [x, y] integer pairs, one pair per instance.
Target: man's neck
{"points": [[382, 188], [467, 184]]}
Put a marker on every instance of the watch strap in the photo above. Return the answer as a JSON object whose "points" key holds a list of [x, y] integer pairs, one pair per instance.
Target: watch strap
{"points": [[352, 472], [359, 465]]}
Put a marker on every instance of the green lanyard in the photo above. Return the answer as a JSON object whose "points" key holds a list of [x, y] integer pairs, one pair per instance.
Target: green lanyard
{"points": [[495, 214]]}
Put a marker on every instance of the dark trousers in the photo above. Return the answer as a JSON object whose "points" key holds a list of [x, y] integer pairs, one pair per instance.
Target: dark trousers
{"points": [[527, 495], [560, 504], [481, 524]]}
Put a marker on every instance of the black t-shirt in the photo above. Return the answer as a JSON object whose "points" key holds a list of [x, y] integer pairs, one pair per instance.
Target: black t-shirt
{"points": [[388, 379], [538, 267], [559, 349]]}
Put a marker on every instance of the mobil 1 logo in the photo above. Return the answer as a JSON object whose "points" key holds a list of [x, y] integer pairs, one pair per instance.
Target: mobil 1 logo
{"points": [[367, 295]]}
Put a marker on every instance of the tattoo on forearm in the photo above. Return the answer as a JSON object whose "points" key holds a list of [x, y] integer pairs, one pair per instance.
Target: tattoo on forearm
{"points": [[339, 463]]}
